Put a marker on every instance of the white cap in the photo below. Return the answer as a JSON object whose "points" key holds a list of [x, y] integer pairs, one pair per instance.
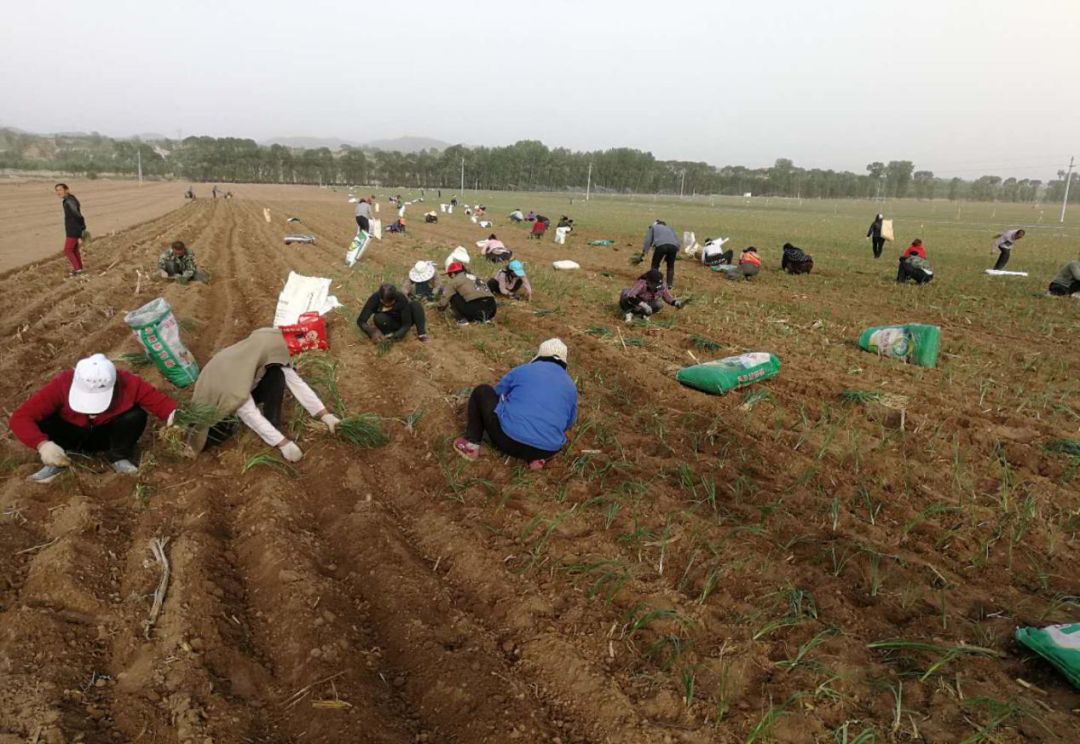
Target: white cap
{"points": [[553, 347], [422, 271], [92, 387]]}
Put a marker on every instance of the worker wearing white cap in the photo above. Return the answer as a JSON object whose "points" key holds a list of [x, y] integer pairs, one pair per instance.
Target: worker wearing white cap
{"points": [[90, 409], [527, 414]]}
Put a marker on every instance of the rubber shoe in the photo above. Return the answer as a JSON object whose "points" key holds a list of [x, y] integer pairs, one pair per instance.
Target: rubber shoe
{"points": [[125, 467], [537, 464], [47, 474], [467, 449], [463, 322], [423, 339], [629, 318]]}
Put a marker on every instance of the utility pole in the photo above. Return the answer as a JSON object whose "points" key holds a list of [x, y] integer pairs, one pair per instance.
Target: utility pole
{"points": [[1068, 180], [588, 183], [682, 183], [463, 177], [138, 154]]}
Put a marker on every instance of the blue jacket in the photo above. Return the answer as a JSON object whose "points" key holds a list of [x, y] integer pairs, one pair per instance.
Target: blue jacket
{"points": [[537, 404], [659, 235]]}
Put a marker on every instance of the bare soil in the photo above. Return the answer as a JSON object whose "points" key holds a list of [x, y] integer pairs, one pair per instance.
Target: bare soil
{"points": [[654, 583]]}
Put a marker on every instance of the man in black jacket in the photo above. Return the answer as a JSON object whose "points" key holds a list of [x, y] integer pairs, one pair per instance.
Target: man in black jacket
{"points": [[74, 227], [389, 314]]}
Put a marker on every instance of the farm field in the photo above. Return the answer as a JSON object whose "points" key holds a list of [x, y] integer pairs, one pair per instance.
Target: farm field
{"points": [[692, 569]]}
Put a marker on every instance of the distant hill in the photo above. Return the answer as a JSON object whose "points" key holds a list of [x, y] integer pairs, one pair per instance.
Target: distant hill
{"points": [[407, 144], [310, 143]]}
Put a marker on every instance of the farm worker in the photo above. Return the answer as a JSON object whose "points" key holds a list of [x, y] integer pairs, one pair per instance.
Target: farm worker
{"points": [[1067, 281], [539, 227], [494, 250], [421, 283], [749, 264], [92, 408], [566, 222], [363, 214], [74, 228], [469, 298], [646, 295], [1004, 243], [795, 261], [389, 314], [178, 262], [431, 217], [713, 253], [914, 266], [531, 216], [517, 216], [874, 233], [527, 414], [511, 282], [214, 191], [251, 373], [665, 245]]}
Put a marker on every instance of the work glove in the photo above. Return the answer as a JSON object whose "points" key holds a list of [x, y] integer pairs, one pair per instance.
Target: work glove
{"points": [[678, 304], [331, 421], [172, 419], [53, 454], [290, 451]]}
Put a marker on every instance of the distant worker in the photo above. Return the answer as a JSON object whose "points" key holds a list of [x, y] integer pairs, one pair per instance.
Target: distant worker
{"points": [[178, 262], [1067, 281], [389, 314], [511, 282], [214, 191], [90, 409], [74, 228], [494, 250], [713, 253], [1004, 243], [796, 261], [528, 413], [566, 222], [363, 214], [421, 282], [665, 246], [645, 297], [517, 216], [540, 226], [251, 373], [469, 298], [914, 265], [431, 217], [874, 233], [190, 193]]}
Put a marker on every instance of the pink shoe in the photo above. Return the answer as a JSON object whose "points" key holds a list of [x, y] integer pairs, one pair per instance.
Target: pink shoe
{"points": [[537, 464], [467, 449]]}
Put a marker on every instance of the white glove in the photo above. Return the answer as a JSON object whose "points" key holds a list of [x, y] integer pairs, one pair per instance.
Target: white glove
{"points": [[53, 454], [172, 418], [331, 421], [291, 452]]}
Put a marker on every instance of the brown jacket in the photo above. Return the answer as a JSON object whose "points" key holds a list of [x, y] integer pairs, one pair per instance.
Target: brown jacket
{"points": [[465, 284]]}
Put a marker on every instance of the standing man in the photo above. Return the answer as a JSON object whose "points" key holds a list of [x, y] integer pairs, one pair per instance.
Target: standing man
{"points": [[874, 233], [74, 227], [665, 245], [1004, 243], [213, 191], [363, 214]]}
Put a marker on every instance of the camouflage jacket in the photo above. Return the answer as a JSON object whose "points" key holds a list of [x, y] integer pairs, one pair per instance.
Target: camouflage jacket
{"points": [[183, 267]]}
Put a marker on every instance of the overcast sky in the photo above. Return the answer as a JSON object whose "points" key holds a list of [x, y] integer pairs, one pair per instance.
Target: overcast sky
{"points": [[961, 87]]}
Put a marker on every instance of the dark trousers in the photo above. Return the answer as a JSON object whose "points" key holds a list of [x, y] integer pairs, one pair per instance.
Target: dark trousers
{"points": [[720, 259], [634, 306], [1063, 291], [117, 437], [269, 395], [879, 246], [1003, 258], [363, 224], [906, 271], [388, 324], [797, 267], [483, 420], [478, 310], [667, 254]]}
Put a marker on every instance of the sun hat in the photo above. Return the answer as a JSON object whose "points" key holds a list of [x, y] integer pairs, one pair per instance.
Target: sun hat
{"points": [[517, 267], [92, 386], [455, 267], [422, 271], [553, 347]]}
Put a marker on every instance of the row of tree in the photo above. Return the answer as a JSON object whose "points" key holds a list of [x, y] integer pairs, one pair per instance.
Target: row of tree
{"points": [[527, 165]]}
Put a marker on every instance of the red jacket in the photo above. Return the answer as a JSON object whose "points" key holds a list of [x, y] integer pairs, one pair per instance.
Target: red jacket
{"points": [[915, 250], [130, 391]]}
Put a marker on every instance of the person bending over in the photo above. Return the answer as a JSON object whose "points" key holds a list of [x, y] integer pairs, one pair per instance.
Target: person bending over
{"points": [[389, 314], [665, 247], [795, 261], [1067, 281], [1004, 243], [511, 282], [713, 253], [421, 282], [528, 413], [494, 250], [469, 298]]}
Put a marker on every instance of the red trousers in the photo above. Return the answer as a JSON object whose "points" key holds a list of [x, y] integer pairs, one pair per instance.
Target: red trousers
{"points": [[71, 250]]}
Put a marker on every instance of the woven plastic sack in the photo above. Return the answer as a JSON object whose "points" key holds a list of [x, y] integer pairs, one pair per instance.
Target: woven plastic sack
{"points": [[155, 326], [376, 229], [724, 375], [566, 265], [357, 247], [1058, 644], [913, 343], [886, 230], [459, 254]]}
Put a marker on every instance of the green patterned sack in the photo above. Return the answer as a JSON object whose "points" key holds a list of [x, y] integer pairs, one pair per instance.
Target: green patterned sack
{"points": [[1058, 644], [723, 375], [913, 342], [157, 330]]}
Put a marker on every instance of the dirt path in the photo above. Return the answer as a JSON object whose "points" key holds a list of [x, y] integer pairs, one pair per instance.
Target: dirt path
{"points": [[653, 584]]}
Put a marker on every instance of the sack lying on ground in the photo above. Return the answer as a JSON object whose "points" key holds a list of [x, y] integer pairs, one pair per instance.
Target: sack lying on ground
{"points": [[602, 243], [723, 375], [913, 342], [1058, 644], [301, 295], [565, 265], [299, 238], [155, 326], [886, 230], [357, 247], [1001, 272]]}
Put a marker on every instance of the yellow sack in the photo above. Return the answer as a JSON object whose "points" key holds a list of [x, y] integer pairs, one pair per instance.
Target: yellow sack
{"points": [[886, 229]]}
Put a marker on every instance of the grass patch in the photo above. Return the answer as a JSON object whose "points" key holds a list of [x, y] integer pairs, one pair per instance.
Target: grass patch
{"points": [[365, 431]]}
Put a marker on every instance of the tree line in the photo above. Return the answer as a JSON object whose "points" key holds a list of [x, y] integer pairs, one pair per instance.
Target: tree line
{"points": [[527, 165]]}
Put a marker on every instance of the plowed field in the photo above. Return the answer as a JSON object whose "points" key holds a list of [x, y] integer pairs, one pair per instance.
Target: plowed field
{"points": [[691, 569]]}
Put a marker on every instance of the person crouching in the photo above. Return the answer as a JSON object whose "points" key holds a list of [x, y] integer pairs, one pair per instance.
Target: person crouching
{"points": [[90, 409], [388, 315], [469, 298], [914, 266], [528, 413], [178, 263], [646, 296], [511, 282]]}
